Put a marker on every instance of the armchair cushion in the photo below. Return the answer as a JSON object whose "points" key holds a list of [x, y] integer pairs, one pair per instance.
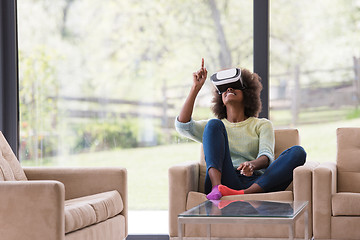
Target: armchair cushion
{"points": [[346, 204], [6, 174], [10, 168], [84, 211], [348, 181], [347, 161], [78, 215]]}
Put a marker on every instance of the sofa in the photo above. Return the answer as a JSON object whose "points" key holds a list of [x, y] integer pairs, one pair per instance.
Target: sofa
{"points": [[61, 203], [337, 190], [186, 190]]}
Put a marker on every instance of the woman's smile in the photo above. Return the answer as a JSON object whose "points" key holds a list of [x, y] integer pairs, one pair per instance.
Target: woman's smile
{"points": [[231, 92]]}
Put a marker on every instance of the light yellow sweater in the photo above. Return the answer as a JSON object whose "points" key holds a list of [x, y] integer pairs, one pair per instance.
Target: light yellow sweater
{"points": [[248, 139]]}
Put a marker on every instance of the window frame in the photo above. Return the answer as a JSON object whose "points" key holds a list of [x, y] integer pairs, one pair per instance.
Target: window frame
{"points": [[261, 50], [9, 91]]}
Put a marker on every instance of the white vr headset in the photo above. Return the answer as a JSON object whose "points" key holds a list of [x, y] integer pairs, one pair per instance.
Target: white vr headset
{"points": [[230, 78]]}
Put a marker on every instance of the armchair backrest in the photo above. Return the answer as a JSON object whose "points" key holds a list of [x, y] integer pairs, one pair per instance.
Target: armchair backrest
{"points": [[284, 138], [348, 159], [10, 168]]}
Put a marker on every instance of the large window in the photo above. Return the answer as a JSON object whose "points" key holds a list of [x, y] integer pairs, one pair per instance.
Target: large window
{"points": [[102, 81], [314, 70]]}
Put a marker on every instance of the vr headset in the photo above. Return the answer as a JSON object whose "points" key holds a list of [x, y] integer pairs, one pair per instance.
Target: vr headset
{"points": [[230, 78]]}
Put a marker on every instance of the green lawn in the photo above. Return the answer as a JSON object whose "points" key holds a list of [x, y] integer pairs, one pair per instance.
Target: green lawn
{"points": [[312, 116], [148, 167], [319, 140]]}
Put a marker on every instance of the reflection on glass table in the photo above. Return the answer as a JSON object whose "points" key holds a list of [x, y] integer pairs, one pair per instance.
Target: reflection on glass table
{"points": [[239, 208]]}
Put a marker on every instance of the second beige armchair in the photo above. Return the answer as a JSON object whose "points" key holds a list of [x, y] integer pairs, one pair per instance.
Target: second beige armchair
{"points": [[186, 189], [337, 190]]}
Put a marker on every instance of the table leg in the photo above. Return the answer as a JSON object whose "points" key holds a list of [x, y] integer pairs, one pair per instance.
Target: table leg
{"points": [[180, 230], [291, 231], [306, 224]]}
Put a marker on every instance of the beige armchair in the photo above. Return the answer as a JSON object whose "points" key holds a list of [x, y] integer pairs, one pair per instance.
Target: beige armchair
{"points": [[337, 190], [61, 203], [186, 190]]}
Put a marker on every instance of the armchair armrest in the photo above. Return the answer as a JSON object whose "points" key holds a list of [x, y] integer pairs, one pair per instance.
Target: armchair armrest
{"points": [[32, 210], [324, 185], [84, 181], [302, 189], [303, 181], [182, 179]]}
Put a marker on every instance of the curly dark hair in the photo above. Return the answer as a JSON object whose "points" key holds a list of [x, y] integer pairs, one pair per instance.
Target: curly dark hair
{"points": [[251, 93]]}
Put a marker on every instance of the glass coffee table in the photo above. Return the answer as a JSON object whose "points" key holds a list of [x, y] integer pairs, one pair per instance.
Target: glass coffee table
{"points": [[245, 212]]}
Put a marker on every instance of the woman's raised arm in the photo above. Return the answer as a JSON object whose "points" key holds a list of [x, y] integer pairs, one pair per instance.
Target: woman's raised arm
{"points": [[199, 78]]}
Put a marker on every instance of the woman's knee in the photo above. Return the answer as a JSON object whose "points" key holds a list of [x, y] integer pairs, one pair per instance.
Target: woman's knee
{"points": [[299, 154], [214, 124]]}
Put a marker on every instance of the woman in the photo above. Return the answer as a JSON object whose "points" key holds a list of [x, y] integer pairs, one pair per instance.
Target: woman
{"points": [[238, 146]]}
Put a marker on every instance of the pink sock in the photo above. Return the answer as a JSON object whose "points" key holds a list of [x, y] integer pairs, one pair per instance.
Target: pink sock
{"points": [[214, 194], [225, 191]]}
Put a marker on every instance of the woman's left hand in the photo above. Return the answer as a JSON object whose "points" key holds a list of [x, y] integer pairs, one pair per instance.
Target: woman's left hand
{"points": [[246, 168]]}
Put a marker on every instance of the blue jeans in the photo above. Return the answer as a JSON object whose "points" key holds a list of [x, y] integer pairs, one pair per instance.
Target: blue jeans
{"points": [[277, 176]]}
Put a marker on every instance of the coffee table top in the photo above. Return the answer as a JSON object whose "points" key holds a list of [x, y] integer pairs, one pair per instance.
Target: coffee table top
{"points": [[241, 208]]}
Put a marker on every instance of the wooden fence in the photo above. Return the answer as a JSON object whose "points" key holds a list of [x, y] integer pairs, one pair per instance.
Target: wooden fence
{"points": [[297, 98]]}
